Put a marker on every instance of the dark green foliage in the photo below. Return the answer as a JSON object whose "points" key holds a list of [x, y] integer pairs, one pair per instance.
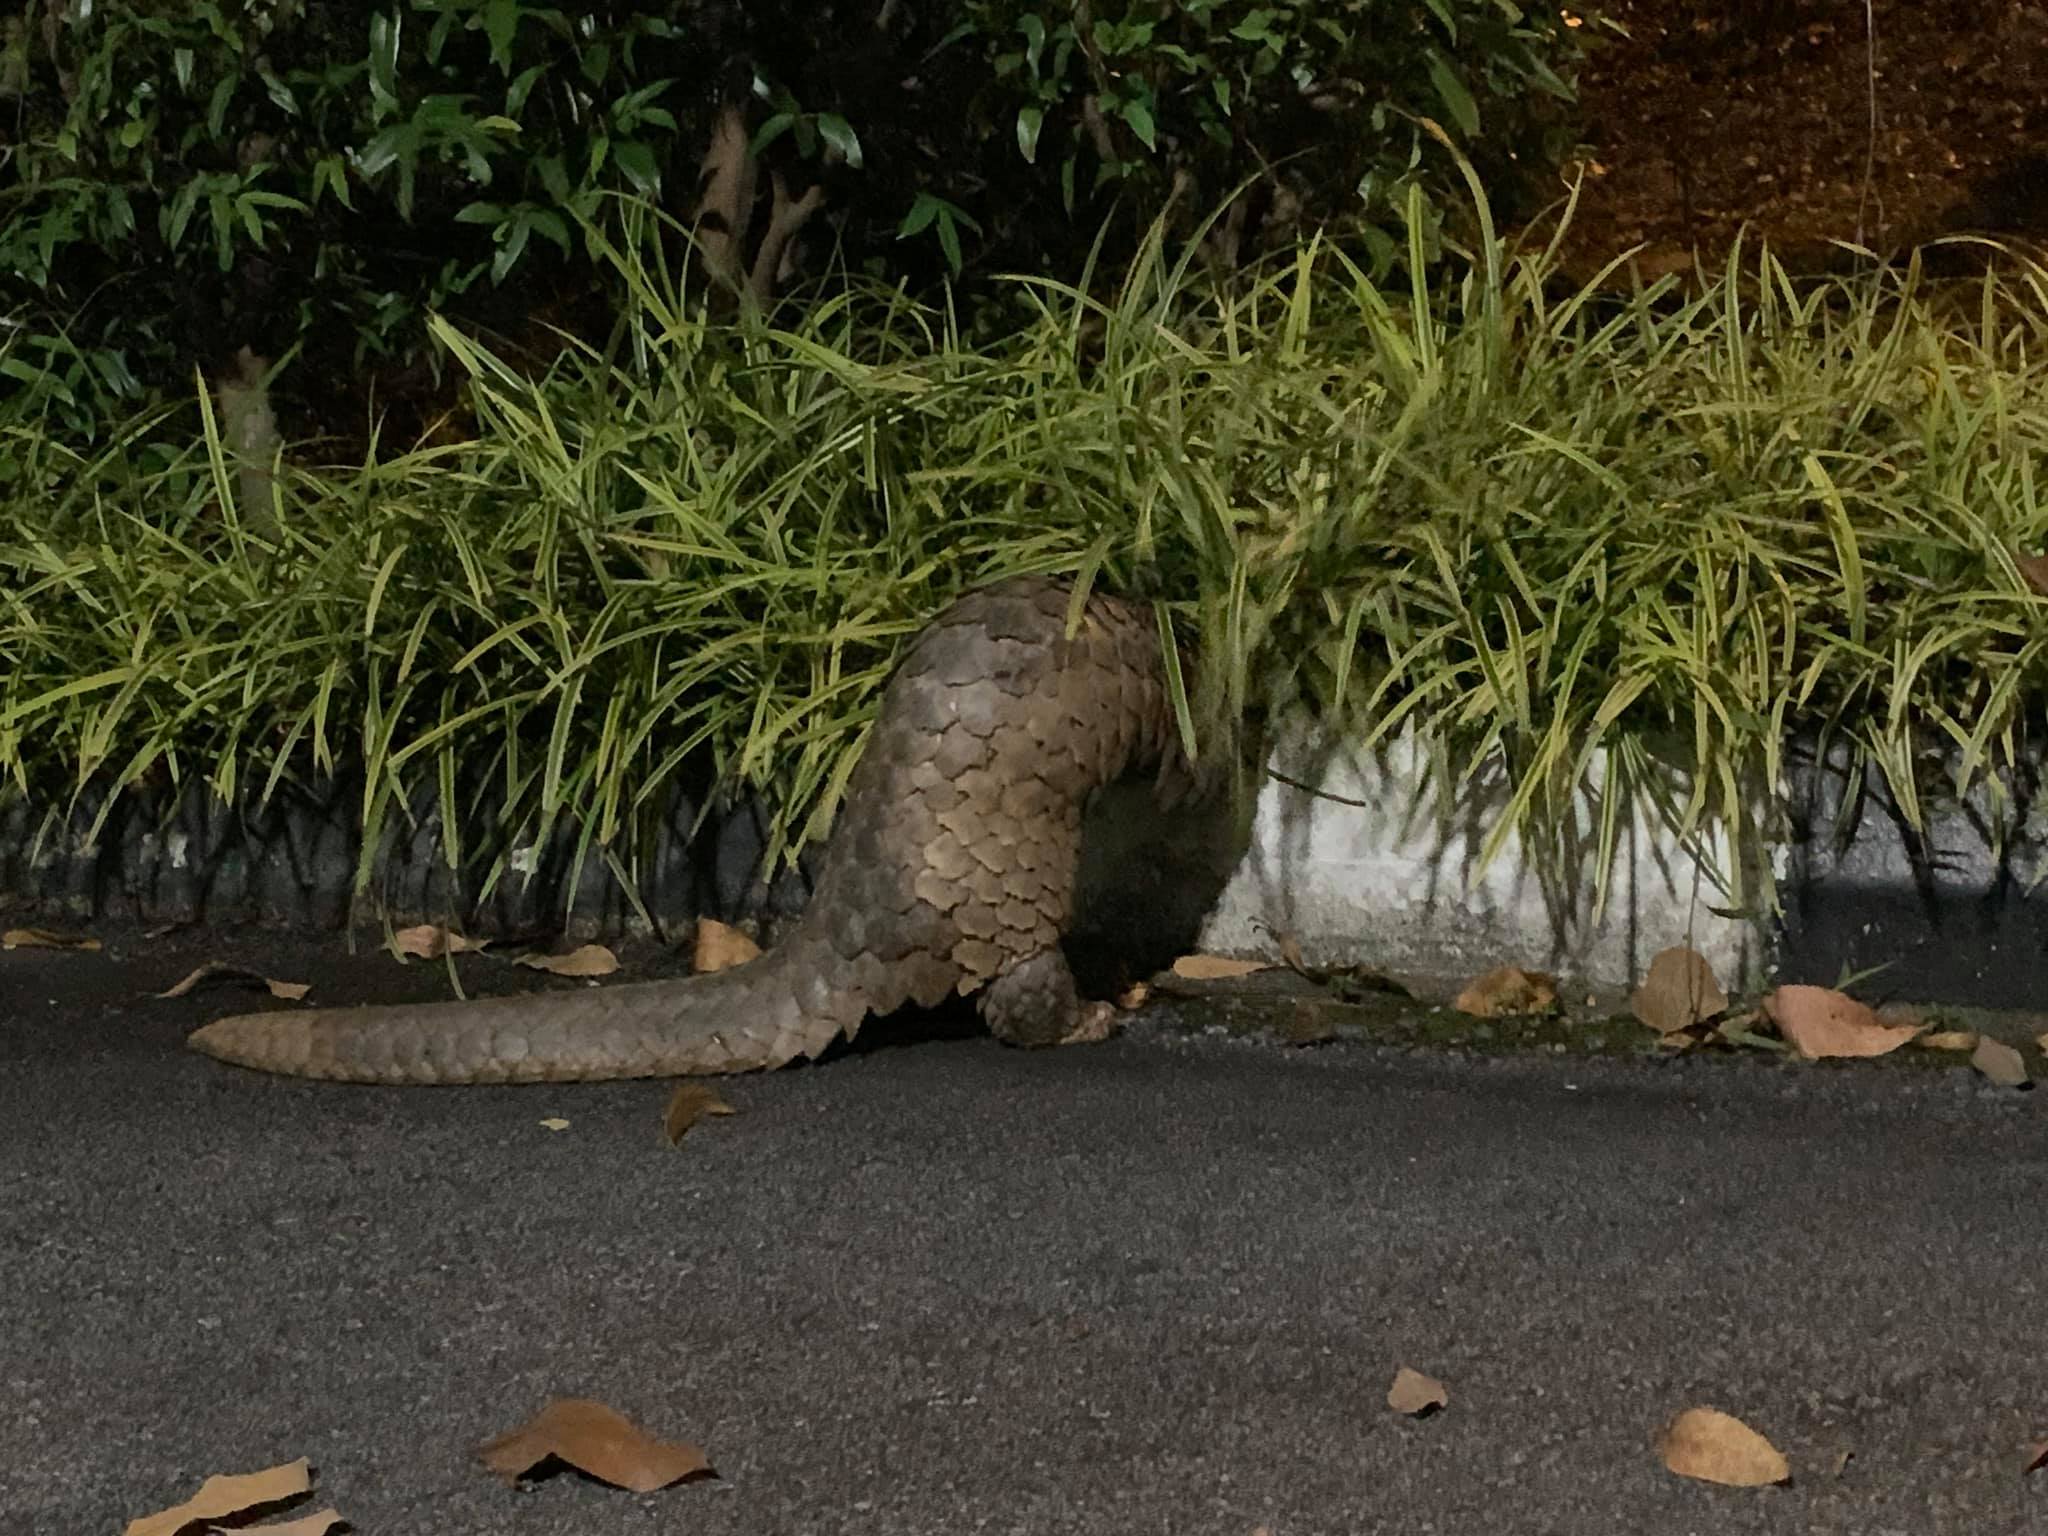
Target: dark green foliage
{"points": [[189, 177]]}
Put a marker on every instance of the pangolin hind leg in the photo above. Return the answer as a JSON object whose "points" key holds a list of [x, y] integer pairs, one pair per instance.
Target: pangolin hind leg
{"points": [[1036, 1003]]}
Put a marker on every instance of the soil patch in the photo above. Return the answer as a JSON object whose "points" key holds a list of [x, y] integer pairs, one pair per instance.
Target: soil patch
{"points": [[1713, 115]]}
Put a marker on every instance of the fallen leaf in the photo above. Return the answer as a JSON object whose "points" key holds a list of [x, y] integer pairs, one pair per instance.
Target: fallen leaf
{"points": [[1706, 1444], [1508, 990], [1215, 967], [1819, 1021], [594, 1439], [43, 938], [2037, 1458], [1949, 1040], [1309, 1024], [2034, 568], [554, 1123], [220, 970], [1416, 1394], [223, 1497], [1678, 991], [1096, 1023], [318, 1523], [1341, 979], [690, 1103], [589, 960], [1290, 952], [720, 946], [2041, 1041], [430, 941], [1999, 1062], [1133, 997], [1353, 980], [1842, 1460]]}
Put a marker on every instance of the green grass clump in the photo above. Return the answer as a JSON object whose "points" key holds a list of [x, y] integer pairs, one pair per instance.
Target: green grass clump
{"points": [[1535, 525]]}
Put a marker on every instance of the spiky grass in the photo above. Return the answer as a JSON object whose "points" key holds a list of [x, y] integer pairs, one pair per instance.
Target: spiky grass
{"points": [[1545, 530]]}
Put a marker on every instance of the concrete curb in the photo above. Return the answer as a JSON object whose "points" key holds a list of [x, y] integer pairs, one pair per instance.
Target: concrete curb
{"points": [[1365, 867], [188, 856]]}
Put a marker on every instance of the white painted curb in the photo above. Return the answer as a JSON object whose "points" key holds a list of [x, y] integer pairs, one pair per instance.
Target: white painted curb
{"points": [[1364, 870]]}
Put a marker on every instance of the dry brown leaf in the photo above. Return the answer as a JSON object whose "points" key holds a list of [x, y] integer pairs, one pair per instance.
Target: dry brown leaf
{"points": [[1999, 1062], [1095, 1024], [1133, 997], [720, 946], [1416, 1394], [44, 938], [589, 960], [690, 1103], [594, 1439], [222, 1497], [1842, 1460], [2037, 1458], [1215, 967], [1507, 990], [2041, 1041], [554, 1123], [212, 970], [1819, 1021], [1678, 991], [319, 1523], [220, 970], [430, 941], [1706, 1444], [1340, 978], [1365, 978], [1949, 1040], [2034, 568], [1309, 1024]]}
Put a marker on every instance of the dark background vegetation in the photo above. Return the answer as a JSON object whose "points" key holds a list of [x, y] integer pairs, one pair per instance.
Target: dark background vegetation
{"points": [[191, 177], [307, 179]]}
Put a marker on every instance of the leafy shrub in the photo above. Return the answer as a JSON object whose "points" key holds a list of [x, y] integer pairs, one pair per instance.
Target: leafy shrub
{"points": [[196, 176]]}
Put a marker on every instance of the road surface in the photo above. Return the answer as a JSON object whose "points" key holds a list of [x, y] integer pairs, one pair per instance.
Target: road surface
{"points": [[937, 1286]]}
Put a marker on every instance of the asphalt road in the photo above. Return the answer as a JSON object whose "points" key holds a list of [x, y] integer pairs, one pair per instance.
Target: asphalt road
{"points": [[1159, 1285]]}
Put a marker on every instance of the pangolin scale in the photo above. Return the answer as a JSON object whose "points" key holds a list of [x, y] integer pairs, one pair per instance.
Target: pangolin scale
{"points": [[951, 868]]}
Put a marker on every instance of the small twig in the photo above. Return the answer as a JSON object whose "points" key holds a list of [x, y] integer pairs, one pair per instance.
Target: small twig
{"points": [[1320, 794], [784, 220], [1870, 138], [1098, 127]]}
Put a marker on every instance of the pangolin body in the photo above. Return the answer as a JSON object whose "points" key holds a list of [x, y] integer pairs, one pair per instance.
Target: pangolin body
{"points": [[951, 868]]}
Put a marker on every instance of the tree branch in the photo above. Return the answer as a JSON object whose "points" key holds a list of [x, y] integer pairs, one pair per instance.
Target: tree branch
{"points": [[726, 196], [785, 218]]}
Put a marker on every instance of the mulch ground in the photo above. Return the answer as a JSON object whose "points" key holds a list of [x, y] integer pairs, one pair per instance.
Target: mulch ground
{"points": [[1713, 115]]}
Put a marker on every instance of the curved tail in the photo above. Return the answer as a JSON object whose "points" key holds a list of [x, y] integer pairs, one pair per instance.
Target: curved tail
{"points": [[739, 1020]]}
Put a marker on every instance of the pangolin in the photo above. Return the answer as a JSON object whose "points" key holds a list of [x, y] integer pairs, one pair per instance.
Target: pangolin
{"points": [[950, 868]]}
